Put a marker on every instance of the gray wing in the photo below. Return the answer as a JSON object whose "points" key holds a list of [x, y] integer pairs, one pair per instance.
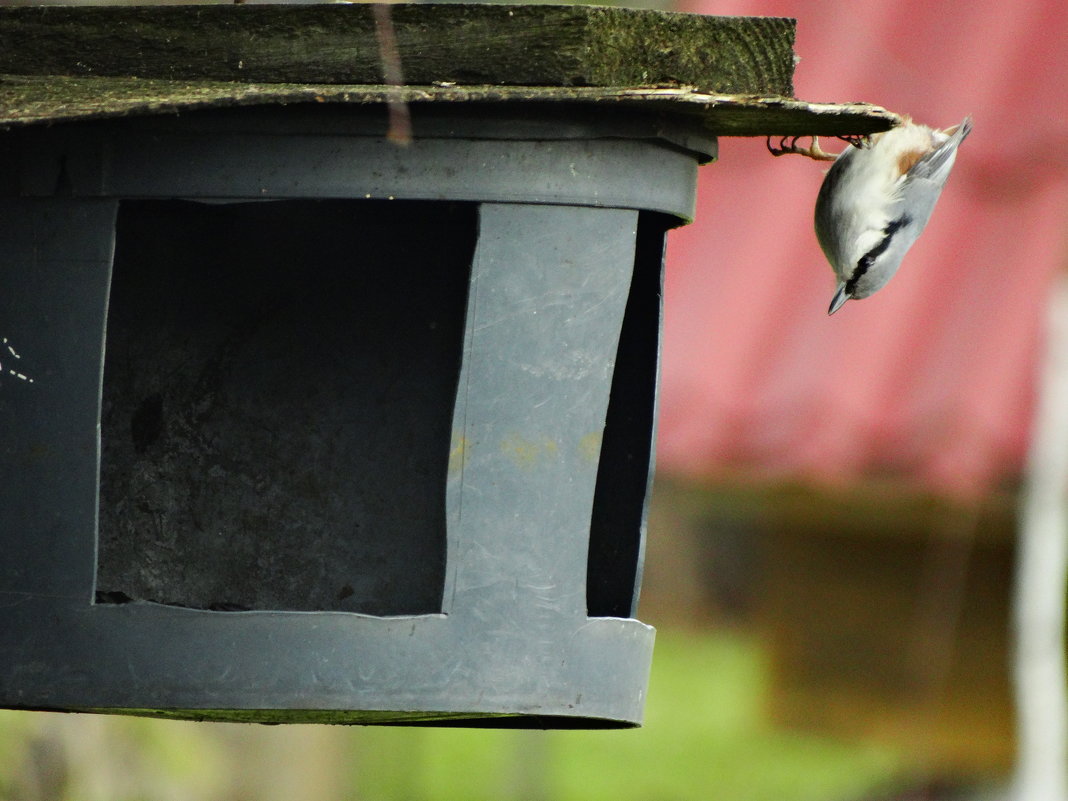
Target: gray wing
{"points": [[935, 165], [923, 183]]}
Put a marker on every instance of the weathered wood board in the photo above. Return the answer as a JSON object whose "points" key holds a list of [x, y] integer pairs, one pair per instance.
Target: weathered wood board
{"points": [[734, 73], [502, 45]]}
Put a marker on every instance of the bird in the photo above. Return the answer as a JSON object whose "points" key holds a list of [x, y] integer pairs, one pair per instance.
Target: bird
{"points": [[876, 199]]}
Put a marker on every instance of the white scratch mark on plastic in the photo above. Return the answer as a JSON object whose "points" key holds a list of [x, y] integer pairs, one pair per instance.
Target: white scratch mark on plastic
{"points": [[10, 349]]}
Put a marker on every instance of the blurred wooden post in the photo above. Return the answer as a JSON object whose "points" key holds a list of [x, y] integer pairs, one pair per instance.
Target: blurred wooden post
{"points": [[1042, 567]]}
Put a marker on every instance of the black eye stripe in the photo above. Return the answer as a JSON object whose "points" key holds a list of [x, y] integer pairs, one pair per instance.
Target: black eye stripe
{"points": [[866, 261]]}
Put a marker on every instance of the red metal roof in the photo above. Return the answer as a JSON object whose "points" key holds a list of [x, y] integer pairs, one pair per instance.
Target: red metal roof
{"points": [[932, 378]]}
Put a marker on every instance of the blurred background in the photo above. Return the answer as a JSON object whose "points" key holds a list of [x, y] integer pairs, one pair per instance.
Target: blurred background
{"points": [[835, 520]]}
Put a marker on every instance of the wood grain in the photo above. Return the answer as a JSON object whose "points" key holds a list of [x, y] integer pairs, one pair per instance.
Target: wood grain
{"points": [[520, 45]]}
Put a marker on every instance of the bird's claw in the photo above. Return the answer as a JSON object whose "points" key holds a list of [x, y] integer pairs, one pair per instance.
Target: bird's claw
{"points": [[788, 144], [859, 141]]}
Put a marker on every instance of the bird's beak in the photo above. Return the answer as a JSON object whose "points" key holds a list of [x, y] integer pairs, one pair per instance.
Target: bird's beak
{"points": [[839, 298]]}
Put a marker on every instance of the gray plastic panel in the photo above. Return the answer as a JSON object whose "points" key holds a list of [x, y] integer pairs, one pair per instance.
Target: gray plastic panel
{"points": [[55, 271], [628, 166]]}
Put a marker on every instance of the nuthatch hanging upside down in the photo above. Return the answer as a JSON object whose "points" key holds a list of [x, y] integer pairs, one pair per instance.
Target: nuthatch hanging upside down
{"points": [[876, 199]]}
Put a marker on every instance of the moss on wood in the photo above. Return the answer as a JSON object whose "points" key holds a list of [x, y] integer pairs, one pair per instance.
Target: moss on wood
{"points": [[522, 45]]}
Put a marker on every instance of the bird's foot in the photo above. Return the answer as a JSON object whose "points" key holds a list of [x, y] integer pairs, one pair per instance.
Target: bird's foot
{"points": [[788, 144]]}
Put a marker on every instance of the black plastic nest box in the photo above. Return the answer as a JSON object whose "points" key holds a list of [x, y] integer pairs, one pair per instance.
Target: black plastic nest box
{"points": [[301, 424]]}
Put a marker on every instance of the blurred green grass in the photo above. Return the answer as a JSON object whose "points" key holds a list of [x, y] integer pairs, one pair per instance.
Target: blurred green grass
{"points": [[705, 737]]}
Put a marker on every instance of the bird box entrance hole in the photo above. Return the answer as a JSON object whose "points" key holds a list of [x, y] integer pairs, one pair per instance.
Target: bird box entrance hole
{"points": [[278, 394]]}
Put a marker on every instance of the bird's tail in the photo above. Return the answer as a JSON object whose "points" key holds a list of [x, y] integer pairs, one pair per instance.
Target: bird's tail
{"points": [[958, 132]]}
